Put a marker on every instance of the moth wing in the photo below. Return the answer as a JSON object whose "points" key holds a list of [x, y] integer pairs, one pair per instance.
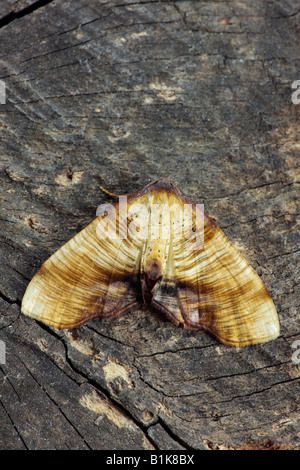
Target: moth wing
{"points": [[217, 290], [92, 275]]}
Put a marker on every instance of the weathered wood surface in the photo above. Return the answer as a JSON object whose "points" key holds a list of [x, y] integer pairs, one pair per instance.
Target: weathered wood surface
{"points": [[118, 93]]}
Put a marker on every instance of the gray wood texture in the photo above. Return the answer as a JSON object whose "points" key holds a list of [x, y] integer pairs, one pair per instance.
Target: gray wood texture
{"points": [[119, 93]]}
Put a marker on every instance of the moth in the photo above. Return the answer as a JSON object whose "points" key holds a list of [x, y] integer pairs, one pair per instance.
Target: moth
{"points": [[155, 247]]}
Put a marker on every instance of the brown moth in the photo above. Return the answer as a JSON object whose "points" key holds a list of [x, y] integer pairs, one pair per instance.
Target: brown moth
{"points": [[138, 251]]}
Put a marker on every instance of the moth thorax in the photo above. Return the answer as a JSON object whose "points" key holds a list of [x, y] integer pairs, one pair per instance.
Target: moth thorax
{"points": [[152, 272]]}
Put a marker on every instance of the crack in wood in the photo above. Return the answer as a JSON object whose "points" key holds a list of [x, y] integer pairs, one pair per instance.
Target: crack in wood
{"points": [[13, 15], [19, 434], [9, 300], [55, 403], [96, 385]]}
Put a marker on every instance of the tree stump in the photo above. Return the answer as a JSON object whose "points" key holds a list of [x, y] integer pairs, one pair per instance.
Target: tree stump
{"points": [[119, 93]]}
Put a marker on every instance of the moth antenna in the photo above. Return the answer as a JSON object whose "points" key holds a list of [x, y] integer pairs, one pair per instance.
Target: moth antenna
{"points": [[112, 194]]}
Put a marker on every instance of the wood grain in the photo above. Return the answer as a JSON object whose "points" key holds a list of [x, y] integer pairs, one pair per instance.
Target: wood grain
{"points": [[117, 94]]}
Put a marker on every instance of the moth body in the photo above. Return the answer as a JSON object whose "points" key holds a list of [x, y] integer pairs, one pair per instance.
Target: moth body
{"points": [[153, 264]]}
